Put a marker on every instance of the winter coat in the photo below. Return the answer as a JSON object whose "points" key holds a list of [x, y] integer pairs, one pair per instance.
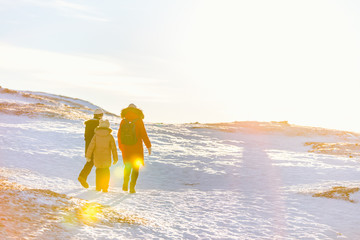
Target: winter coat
{"points": [[90, 126], [133, 153], [102, 146]]}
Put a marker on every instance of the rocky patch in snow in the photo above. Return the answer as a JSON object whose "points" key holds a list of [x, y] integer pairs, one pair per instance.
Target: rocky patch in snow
{"points": [[347, 149], [339, 192], [35, 213], [283, 127], [45, 105]]}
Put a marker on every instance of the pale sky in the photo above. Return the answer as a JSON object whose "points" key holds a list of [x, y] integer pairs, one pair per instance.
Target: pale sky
{"points": [[191, 60]]}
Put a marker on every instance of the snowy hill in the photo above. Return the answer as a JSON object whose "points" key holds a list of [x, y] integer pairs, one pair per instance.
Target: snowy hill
{"points": [[241, 180]]}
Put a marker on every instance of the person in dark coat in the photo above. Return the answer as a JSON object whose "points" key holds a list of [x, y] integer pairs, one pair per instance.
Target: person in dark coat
{"points": [[133, 155], [90, 126]]}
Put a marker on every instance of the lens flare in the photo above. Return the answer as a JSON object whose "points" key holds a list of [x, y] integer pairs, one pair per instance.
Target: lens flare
{"points": [[138, 163], [88, 213]]}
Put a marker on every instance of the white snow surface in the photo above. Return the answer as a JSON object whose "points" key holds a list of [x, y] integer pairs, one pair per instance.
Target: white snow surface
{"points": [[199, 183]]}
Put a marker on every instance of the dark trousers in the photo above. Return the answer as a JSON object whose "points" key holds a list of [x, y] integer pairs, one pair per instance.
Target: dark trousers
{"points": [[87, 169], [102, 178], [134, 175]]}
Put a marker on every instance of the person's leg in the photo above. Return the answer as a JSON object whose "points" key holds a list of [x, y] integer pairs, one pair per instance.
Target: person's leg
{"points": [[85, 173], [98, 179], [134, 177], [106, 179], [127, 171], [86, 170]]}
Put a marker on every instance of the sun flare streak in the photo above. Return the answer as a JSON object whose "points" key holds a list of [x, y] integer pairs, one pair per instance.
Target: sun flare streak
{"points": [[89, 213]]}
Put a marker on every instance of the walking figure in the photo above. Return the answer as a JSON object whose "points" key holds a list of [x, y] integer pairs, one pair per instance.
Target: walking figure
{"points": [[101, 147], [131, 136], [90, 126]]}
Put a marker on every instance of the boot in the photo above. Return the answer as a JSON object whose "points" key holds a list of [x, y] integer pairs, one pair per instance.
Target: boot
{"points": [[125, 186], [132, 188], [83, 182]]}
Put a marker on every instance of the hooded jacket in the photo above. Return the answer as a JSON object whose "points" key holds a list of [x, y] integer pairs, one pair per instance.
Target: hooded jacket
{"points": [[102, 146], [133, 153]]}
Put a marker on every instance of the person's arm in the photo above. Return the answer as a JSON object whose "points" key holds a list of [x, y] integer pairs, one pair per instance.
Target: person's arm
{"points": [[145, 137], [86, 133], [119, 137], [114, 150], [91, 148]]}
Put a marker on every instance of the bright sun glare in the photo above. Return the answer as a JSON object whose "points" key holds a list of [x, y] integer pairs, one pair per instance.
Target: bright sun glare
{"points": [[138, 163], [88, 213], [238, 60], [276, 60]]}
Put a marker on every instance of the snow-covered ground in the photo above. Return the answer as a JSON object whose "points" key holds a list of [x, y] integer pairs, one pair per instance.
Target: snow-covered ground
{"points": [[242, 180]]}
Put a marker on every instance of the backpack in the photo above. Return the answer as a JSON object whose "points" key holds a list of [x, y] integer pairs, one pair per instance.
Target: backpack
{"points": [[128, 133]]}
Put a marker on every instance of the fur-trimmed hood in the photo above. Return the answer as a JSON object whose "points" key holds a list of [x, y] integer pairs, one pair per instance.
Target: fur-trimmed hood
{"points": [[137, 111], [101, 131]]}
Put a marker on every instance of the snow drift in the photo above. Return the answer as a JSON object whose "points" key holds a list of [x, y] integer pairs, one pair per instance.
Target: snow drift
{"points": [[241, 180]]}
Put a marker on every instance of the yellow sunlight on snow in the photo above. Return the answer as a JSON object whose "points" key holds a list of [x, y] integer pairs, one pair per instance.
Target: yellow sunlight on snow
{"points": [[88, 213]]}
